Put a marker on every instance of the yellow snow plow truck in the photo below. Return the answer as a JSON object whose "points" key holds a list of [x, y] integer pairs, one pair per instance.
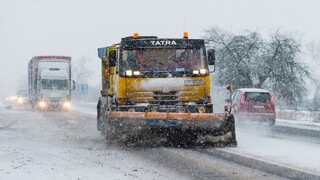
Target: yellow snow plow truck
{"points": [[159, 88]]}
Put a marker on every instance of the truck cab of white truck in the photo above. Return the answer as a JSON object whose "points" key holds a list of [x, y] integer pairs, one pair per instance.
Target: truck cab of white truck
{"points": [[50, 82]]}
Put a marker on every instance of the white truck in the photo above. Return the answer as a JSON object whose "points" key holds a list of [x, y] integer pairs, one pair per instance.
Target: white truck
{"points": [[49, 81]]}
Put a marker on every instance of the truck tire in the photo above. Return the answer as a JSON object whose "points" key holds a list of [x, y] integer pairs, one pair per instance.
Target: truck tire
{"points": [[101, 117]]}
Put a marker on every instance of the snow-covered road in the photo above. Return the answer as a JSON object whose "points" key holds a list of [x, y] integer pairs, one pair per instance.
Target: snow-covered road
{"points": [[53, 145], [66, 145]]}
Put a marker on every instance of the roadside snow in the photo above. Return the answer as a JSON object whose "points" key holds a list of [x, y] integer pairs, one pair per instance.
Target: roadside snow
{"points": [[260, 142]]}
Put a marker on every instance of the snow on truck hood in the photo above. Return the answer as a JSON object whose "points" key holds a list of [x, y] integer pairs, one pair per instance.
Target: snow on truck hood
{"points": [[154, 83]]}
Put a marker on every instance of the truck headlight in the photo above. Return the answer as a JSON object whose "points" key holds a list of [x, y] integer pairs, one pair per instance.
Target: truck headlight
{"points": [[128, 73], [42, 104], [20, 100], [136, 73], [203, 71], [66, 105], [200, 71], [195, 72]]}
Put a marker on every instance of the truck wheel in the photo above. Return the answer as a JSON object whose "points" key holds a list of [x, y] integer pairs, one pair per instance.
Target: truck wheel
{"points": [[99, 115]]}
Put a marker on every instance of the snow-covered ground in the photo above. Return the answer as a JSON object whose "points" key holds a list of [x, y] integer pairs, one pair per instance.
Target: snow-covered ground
{"points": [[66, 145], [262, 143]]}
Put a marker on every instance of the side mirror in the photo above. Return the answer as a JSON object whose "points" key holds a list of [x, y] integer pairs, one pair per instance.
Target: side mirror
{"points": [[211, 57], [226, 108], [73, 85], [229, 87], [112, 58]]}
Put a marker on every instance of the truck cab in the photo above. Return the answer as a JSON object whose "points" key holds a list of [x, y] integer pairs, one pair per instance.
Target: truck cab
{"points": [[50, 82], [146, 73]]}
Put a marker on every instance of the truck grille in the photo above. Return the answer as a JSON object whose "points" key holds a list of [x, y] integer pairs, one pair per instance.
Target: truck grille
{"points": [[55, 99], [165, 98]]}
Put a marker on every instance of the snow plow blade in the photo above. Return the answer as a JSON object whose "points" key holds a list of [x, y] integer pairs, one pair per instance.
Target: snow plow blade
{"points": [[209, 127]]}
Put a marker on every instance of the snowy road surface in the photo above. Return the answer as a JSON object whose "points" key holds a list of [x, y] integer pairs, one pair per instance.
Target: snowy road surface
{"points": [[51, 145], [66, 145]]}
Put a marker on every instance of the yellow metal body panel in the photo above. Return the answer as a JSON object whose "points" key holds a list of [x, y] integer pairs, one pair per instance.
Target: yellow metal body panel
{"points": [[107, 79], [140, 90]]}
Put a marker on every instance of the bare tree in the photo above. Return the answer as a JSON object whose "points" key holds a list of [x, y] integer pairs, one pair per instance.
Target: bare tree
{"points": [[249, 61], [237, 58]]}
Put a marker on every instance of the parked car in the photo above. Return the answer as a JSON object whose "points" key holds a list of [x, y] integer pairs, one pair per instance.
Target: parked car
{"points": [[253, 104]]}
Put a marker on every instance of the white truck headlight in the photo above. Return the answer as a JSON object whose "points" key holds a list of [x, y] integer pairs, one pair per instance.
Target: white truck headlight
{"points": [[128, 73], [20, 100], [203, 71], [42, 104], [66, 105], [195, 72], [136, 73]]}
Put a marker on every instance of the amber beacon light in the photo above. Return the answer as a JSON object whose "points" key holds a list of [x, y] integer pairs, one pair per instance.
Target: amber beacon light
{"points": [[135, 35], [185, 35]]}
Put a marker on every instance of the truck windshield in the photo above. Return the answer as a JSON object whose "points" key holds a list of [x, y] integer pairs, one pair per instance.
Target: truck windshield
{"points": [[55, 84], [163, 60]]}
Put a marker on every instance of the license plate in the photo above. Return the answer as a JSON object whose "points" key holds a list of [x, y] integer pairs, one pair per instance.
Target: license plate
{"points": [[163, 123], [258, 107]]}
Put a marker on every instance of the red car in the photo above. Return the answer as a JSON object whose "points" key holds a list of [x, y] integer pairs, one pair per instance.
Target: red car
{"points": [[253, 104]]}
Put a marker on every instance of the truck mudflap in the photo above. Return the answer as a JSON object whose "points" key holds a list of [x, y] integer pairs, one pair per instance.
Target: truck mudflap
{"points": [[208, 127]]}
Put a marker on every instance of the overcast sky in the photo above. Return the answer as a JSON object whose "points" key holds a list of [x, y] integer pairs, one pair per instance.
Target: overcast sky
{"points": [[78, 27]]}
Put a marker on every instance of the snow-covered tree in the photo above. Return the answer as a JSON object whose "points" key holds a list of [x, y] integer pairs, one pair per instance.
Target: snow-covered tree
{"points": [[80, 72], [248, 60]]}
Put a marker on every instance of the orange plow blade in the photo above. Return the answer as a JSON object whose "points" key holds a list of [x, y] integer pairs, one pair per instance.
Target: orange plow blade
{"points": [[220, 126]]}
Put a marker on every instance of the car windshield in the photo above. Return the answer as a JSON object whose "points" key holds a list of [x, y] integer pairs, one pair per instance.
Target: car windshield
{"points": [[163, 60], [257, 96], [55, 84]]}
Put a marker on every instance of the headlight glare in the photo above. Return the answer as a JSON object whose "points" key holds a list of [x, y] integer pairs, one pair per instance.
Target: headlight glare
{"points": [[66, 105], [203, 71], [195, 72], [136, 73], [42, 104]]}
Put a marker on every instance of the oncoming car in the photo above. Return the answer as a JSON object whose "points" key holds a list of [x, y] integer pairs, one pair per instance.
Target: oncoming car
{"points": [[253, 104], [22, 98]]}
